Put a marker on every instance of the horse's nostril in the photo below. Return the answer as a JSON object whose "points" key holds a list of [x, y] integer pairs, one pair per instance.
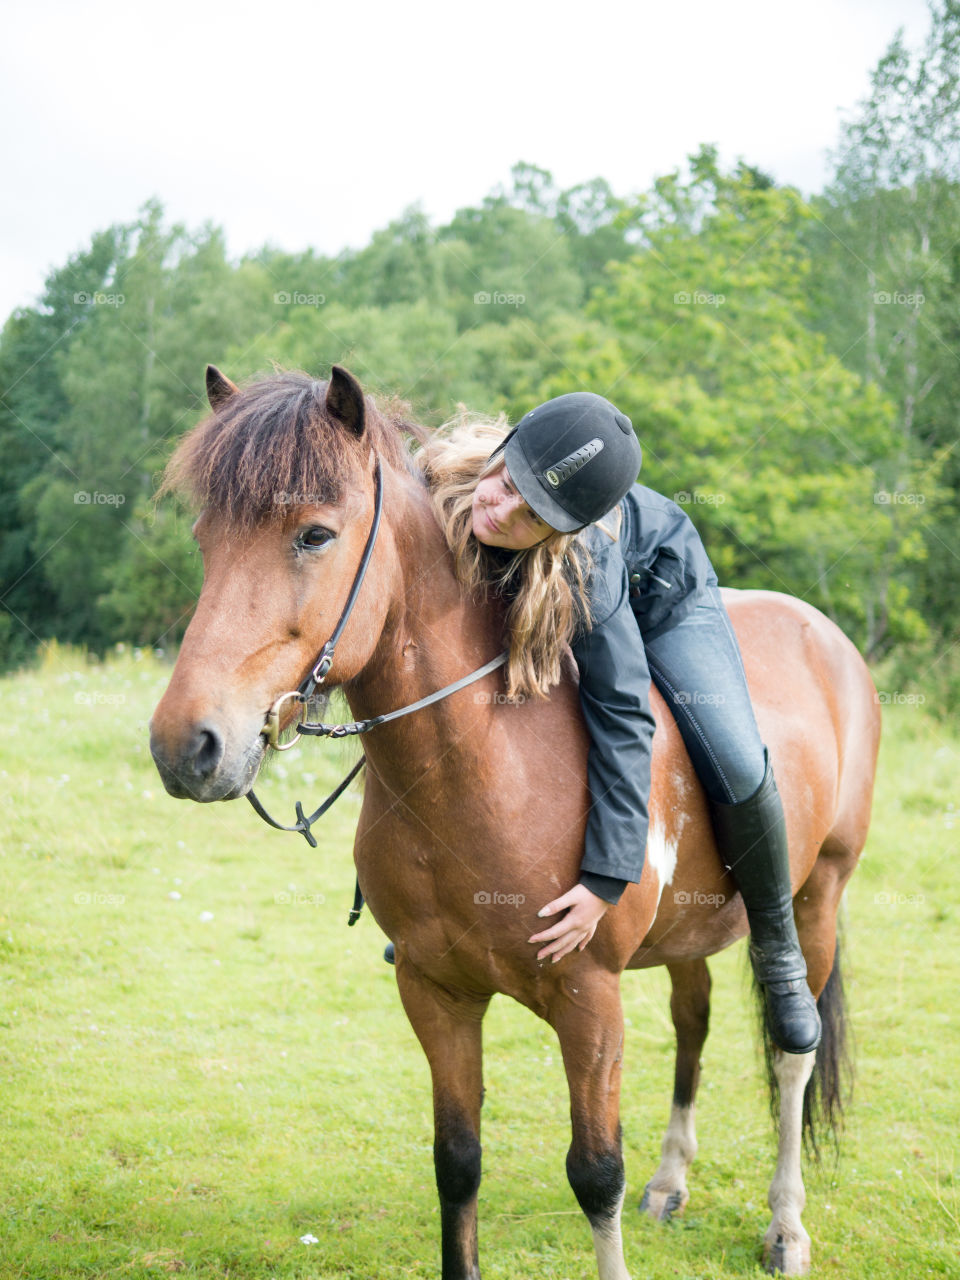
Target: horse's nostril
{"points": [[209, 752]]}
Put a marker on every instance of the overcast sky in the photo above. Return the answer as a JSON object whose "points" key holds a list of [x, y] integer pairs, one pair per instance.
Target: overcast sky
{"points": [[303, 124]]}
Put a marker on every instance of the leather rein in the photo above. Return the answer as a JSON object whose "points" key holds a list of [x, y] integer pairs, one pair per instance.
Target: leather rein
{"points": [[315, 678]]}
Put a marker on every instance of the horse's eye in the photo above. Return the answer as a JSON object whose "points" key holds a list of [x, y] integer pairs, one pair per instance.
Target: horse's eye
{"points": [[316, 536]]}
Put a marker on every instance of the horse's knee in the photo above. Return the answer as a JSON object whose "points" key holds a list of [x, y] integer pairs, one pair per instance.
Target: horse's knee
{"points": [[456, 1157], [597, 1179]]}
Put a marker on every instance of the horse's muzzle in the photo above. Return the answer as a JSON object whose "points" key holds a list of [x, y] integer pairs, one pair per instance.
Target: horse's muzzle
{"points": [[199, 766]]}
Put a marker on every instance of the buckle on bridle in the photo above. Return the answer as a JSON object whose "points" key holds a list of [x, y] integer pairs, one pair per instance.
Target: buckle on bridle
{"points": [[324, 663]]}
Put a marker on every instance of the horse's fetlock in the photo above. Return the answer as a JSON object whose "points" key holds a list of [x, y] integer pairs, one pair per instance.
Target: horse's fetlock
{"points": [[457, 1159], [687, 1151], [787, 1201], [598, 1181]]}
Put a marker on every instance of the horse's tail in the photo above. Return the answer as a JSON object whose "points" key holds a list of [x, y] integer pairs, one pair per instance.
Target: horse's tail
{"points": [[829, 1088]]}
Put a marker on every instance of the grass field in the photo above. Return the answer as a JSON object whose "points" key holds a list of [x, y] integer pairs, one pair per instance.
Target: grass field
{"points": [[202, 1067]]}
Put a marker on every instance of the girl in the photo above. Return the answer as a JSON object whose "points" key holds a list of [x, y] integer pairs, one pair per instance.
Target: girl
{"points": [[634, 598]]}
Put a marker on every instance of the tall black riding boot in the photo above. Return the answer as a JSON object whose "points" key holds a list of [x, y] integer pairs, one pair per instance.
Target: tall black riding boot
{"points": [[752, 838]]}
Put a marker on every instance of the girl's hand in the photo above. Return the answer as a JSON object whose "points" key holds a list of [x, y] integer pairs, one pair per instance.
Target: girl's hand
{"points": [[584, 911]]}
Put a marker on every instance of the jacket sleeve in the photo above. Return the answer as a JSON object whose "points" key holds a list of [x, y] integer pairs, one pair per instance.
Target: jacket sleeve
{"points": [[615, 700]]}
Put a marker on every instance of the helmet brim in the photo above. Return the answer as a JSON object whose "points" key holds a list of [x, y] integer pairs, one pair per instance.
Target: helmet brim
{"points": [[537, 498]]}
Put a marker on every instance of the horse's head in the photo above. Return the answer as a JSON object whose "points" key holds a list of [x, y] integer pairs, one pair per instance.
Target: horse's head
{"points": [[283, 472]]}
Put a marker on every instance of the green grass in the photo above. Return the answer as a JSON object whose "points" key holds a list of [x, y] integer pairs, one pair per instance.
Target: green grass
{"points": [[191, 1083]]}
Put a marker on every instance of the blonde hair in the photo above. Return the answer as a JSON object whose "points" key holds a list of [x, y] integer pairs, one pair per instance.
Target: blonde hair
{"points": [[545, 584]]}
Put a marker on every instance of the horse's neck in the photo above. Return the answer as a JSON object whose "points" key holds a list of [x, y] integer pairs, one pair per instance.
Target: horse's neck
{"points": [[433, 635]]}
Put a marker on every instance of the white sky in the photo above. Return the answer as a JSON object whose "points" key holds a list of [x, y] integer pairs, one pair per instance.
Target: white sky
{"points": [[311, 124]]}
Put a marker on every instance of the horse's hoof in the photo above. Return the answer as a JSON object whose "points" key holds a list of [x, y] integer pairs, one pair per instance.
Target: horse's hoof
{"points": [[787, 1257], [663, 1205]]}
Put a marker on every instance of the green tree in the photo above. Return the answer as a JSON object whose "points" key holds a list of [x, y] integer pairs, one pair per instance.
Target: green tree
{"points": [[886, 281], [779, 453], [33, 438], [87, 427]]}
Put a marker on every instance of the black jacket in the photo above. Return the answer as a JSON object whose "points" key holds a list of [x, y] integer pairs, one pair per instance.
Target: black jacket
{"points": [[642, 584]]}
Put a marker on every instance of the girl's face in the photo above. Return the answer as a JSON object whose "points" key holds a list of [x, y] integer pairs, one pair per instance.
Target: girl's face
{"points": [[501, 518]]}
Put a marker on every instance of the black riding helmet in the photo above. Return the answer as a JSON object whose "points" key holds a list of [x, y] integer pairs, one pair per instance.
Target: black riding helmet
{"points": [[572, 459]]}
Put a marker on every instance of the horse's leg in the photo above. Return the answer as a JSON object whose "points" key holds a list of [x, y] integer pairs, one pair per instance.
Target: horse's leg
{"points": [[786, 1245], [449, 1031], [588, 1019], [666, 1193]]}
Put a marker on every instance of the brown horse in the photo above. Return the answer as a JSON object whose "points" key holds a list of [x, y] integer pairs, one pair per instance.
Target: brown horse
{"points": [[476, 805]]}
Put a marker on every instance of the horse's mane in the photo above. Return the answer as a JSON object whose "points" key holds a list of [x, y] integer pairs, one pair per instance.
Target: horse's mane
{"points": [[273, 445]]}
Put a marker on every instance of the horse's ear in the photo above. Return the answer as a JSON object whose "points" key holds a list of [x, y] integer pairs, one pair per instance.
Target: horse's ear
{"points": [[344, 400], [219, 387]]}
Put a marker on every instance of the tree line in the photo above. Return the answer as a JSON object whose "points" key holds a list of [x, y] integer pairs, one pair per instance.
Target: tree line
{"points": [[790, 365]]}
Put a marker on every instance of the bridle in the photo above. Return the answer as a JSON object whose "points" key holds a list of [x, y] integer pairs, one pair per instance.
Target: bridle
{"points": [[313, 680], [315, 677]]}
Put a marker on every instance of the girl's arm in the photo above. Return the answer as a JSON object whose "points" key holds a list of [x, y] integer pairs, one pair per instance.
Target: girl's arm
{"points": [[614, 698]]}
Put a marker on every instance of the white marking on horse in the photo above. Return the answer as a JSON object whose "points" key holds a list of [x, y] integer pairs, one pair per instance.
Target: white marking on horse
{"points": [[666, 1193], [786, 1243], [608, 1244], [662, 854]]}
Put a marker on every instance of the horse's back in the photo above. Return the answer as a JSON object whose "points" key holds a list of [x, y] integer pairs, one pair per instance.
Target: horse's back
{"points": [[818, 715], [839, 677], [804, 672]]}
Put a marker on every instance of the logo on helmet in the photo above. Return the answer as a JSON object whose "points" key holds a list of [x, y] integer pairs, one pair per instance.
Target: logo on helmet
{"points": [[561, 471]]}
